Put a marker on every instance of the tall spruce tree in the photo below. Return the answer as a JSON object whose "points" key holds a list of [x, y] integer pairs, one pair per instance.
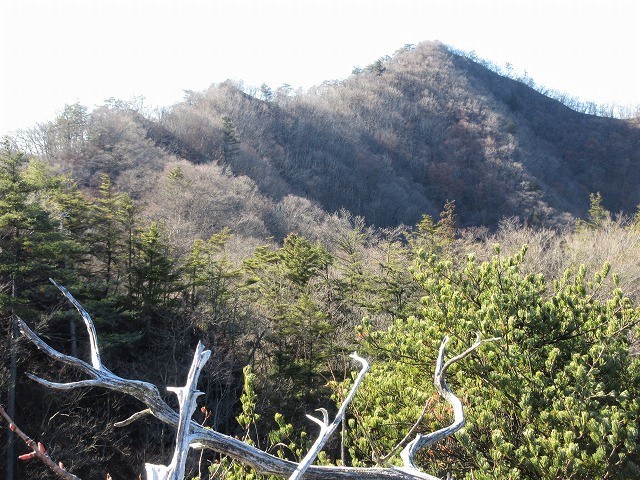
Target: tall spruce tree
{"points": [[155, 274], [207, 275], [111, 232], [230, 142], [283, 286]]}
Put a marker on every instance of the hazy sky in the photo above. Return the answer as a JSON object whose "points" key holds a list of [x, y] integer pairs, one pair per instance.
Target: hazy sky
{"points": [[57, 52]]}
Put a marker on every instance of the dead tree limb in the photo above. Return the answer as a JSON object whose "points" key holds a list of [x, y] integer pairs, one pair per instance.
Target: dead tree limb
{"points": [[200, 437], [422, 441], [326, 428], [187, 396]]}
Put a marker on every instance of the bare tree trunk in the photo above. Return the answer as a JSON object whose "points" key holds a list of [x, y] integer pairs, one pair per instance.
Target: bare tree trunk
{"points": [[13, 375], [74, 337]]}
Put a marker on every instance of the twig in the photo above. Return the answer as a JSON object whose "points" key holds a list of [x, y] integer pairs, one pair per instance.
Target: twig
{"points": [[37, 450]]}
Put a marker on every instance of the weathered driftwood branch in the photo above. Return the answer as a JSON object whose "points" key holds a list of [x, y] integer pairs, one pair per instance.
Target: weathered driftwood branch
{"points": [[196, 435], [88, 322], [326, 428], [421, 441], [187, 396], [37, 450]]}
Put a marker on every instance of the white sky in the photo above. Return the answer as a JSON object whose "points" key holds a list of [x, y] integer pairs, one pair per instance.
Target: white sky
{"points": [[57, 52]]}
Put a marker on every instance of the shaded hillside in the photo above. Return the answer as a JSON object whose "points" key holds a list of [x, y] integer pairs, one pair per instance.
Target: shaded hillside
{"points": [[393, 141], [405, 135], [597, 153]]}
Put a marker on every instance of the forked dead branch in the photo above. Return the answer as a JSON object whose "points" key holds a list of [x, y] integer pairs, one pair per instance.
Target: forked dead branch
{"points": [[192, 435]]}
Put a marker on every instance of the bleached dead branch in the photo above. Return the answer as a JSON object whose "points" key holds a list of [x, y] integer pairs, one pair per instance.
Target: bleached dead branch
{"points": [[192, 434]]}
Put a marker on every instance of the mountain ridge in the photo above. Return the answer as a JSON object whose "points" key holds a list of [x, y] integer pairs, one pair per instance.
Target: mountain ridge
{"points": [[392, 142]]}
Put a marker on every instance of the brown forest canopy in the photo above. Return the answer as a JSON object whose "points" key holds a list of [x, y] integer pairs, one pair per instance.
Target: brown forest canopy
{"points": [[393, 141]]}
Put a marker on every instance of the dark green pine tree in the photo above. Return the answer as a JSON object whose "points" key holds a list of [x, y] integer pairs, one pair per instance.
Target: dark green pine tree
{"points": [[349, 259], [32, 249], [111, 236], [154, 270], [285, 290], [210, 305], [302, 259], [596, 216], [70, 212], [230, 142], [208, 275], [435, 237], [394, 291]]}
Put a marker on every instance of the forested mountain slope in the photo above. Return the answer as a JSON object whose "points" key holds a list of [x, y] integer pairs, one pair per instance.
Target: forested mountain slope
{"points": [[393, 141], [426, 126], [221, 219]]}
